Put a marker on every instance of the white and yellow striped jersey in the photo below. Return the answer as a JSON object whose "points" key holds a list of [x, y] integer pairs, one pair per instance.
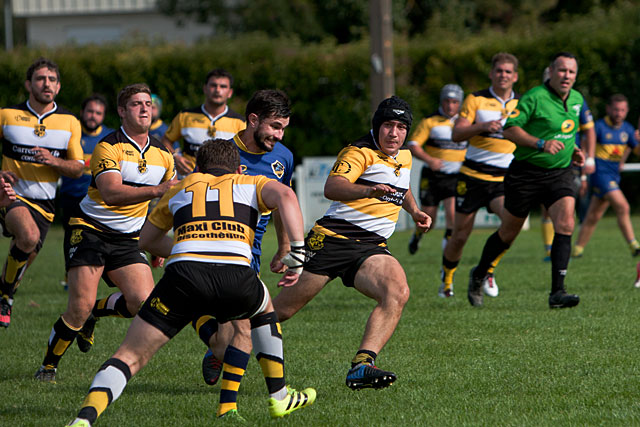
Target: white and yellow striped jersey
{"points": [[21, 130], [370, 219], [489, 154], [214, 216], [196, 125], [117, 153], [433, 134]]}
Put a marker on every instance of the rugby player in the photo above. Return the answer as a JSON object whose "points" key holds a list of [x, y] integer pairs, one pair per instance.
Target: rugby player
{"points": [[41, 142], [431, 142], [368, 184], [129, 168], [480, 181], [214, 213]]}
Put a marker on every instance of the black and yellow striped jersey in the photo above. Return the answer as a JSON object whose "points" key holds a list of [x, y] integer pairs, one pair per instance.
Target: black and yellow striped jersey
{"points": [[489, 154], [214, 216], [368, 219], [117, 153], [433, 134], [21, 130], [196, 125]]}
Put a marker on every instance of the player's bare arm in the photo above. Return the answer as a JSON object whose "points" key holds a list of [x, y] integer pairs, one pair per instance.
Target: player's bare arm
{"points": [[115, 193], [434, 163], [69, 168], [589, 148], [155, 240], [422, 220], [284, 246], [464, 130], [340, 188]]}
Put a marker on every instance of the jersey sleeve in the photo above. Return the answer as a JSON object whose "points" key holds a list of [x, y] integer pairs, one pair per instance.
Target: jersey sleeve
{"points": [[632, 142], [74, 146], [171, 168], [350, 164], [174, 132], [421, 134], [586, 118], [161, 215], [260, 181], [469, 107], [522, 112], [105, 158]]}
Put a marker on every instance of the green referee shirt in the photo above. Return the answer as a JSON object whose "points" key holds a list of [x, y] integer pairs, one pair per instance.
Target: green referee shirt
{"points": [[542, 113]]}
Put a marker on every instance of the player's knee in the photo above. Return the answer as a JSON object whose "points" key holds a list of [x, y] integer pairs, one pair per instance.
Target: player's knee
{"points": [[398, 295], [27, 239]]}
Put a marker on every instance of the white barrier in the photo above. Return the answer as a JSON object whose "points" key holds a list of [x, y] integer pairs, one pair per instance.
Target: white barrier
{"points": [[311, 175]]}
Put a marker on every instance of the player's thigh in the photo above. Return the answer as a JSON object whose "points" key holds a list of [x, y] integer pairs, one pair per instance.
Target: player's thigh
{"points": [[20, 223], [597, 207], [83, 288], [135, 281], [449, 205], [618, 201], [381, 277], [496, 205]]}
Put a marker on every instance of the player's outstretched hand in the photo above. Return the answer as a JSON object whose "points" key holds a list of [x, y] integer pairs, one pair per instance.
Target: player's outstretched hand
{"points": [[276, 265], [290, 278], [379, 190], [8, 176]]}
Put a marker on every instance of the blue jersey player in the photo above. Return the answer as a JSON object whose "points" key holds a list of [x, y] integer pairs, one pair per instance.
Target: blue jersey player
{"points": [[615, 140], [261, 153]]}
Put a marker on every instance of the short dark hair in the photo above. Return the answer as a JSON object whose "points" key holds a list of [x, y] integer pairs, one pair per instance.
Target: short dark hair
{"points": [[269, 103], [562, 55], [502, 57], [95, 97], [40, 63], [219, 72], [218, 153], [617, 97], [128, 91]]}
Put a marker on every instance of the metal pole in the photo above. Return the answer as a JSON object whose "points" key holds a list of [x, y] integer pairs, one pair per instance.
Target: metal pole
{"points": [[8, 26], [381, 30]]}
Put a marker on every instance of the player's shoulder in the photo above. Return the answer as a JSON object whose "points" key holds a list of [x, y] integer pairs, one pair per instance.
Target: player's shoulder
{"points": [[232, 114], [482, 93], [363, 143], [113, 138], [64, 112], [155, 142]]}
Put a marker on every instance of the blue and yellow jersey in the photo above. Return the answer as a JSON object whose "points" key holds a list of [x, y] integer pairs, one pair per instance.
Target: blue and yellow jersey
{"points": [[489, 154], [158, 129], [369, 219], [117, 153], [611, 143], [78, 187], [433, 134], [213, 215], [276, 164], [586, 121], [21, 130], [196, 125]]}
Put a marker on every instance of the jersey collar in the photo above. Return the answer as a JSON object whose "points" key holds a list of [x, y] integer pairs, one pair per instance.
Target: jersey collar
{"points": [[214, 119], [493, 93], [135, 144], [238, 140], [42, 117]]}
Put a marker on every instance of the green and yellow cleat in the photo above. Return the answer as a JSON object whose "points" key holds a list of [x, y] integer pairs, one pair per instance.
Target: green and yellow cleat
{"points": [[295, 400]]}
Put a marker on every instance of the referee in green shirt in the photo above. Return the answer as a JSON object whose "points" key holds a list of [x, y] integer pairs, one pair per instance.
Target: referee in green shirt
{"points": [[543, 127]]}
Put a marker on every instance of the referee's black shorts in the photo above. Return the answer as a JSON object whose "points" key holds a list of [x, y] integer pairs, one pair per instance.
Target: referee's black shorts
{"points": [[526, 186]]}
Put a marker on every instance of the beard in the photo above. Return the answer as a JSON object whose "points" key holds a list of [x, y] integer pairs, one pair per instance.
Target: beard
{"points": [[42, 98], [260, 139], [90, 126]]}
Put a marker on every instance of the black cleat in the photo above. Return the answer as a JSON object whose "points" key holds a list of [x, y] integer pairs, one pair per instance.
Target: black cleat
{"points": [[46, 375], [211, 368], [85, 336], [414, 242], [474, 291], [561, 299], [369, 376], [5, 313]]}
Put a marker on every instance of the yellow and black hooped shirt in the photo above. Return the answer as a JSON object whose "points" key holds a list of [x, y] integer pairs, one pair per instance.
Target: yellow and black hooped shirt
{"points": [[370, 220], [117, 153], [21, 130], [489, 154], [213, 215], [196, 125]]}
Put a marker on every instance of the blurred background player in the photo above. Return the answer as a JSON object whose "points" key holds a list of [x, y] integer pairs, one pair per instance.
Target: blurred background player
{"points": [[212, 119], [72, 191], [34, 134], [615, 140], [158, 127], [480, 181], [431, 142]]}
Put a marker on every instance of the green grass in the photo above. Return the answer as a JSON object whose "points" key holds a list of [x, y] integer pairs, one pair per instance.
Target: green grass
{"points": [[512, 362]]}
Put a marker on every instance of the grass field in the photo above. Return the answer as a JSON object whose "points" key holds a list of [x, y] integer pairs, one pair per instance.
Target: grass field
{"points": [[512, 362]]}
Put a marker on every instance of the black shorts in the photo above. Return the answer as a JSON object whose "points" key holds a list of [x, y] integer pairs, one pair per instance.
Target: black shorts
{"points": [[91, 247], [41, 222], [335, 257], [473, 194], [436, 186], [189, 290], [527, 186]]}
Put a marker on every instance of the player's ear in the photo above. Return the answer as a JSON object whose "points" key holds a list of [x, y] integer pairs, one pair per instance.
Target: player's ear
{"points": [[254, 120], [239, 170]]}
